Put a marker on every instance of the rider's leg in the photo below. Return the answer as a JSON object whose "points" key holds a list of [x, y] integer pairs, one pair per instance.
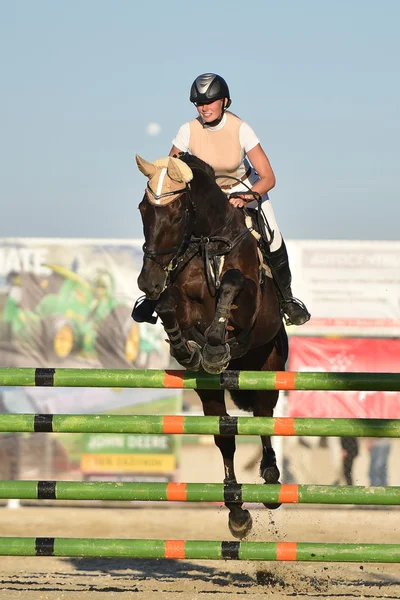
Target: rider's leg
{"points": [[143, 311], [295, 311]]}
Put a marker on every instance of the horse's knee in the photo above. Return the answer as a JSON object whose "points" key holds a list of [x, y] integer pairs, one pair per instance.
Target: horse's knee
{"points": [[232, 281]]}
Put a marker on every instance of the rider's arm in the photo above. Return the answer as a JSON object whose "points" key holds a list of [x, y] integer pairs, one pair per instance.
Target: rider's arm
{"points": [[253, 149], [180, 143], [260, 162], [174, 151]]}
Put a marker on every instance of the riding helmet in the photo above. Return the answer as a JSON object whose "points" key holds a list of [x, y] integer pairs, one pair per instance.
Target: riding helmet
{"points": [[209, 87]]}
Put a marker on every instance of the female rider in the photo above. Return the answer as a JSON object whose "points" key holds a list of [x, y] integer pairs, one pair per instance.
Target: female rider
{"points": [[227, 143]]}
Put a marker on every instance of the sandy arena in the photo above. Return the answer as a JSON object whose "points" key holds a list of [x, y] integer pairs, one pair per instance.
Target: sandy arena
{"points": [[33, 578]]}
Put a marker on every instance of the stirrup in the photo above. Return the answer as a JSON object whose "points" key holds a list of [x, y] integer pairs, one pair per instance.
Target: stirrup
{"points": [[143, 311], [297, 314]]}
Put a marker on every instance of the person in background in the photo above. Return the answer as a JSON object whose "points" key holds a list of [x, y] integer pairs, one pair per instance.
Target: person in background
{"points": [[349, 453], [379, 449]]}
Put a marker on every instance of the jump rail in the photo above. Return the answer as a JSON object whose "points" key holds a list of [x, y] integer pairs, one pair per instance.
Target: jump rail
{"points": [[234, 380], [200, 549], [175, 424], [148, 424], [199, 492]]}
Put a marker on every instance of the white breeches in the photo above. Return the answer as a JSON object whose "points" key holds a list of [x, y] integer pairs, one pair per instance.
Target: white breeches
{"points": [[268, 211]]}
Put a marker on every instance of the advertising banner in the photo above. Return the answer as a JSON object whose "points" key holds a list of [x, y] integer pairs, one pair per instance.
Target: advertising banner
{"points": [[350, 287], [343, 355], [104, 454], [68, 303]]}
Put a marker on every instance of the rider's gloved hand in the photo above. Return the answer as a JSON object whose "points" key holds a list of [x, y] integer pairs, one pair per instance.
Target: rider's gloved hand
{"points": [[239, 200]]}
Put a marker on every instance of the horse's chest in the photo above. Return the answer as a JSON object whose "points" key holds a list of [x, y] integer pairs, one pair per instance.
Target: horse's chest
{"points": [[194, 288]]}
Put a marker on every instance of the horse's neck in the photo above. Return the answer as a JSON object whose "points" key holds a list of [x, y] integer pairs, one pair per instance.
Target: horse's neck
{"points": [[212, 214]]}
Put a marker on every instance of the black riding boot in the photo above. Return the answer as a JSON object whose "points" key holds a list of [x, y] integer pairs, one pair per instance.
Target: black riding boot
{"points": [[294, 310], [143, 310]]}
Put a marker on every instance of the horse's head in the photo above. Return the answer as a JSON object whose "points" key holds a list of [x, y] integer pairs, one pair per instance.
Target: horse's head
{"points": [[165, 215]]}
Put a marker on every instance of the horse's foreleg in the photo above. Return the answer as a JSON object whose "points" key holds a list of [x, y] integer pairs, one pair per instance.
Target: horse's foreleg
{"points": [[264, 404], [264, 407], [240, 521], [216, 352], [187, 354]]}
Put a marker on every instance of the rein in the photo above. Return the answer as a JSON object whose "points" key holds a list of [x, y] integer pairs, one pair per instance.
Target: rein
{"points": [[261, 220]]}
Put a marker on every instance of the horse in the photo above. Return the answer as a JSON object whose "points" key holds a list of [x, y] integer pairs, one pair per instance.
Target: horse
{"points": [[201, 266]]}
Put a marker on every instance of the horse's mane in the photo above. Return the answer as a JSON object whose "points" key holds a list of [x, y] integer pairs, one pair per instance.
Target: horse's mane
{"points": [[205, 175], [196, 163]]}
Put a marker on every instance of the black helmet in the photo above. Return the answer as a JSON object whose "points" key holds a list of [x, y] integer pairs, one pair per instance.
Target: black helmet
{"points": [[209, 87]]}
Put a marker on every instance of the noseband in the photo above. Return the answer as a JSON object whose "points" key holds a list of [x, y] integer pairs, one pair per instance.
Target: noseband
{"points": [[175, 250]]}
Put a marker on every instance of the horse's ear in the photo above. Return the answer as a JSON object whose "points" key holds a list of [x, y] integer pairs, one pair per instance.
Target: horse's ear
{"points": [[145, 167], [179, 171], [174, 171]]}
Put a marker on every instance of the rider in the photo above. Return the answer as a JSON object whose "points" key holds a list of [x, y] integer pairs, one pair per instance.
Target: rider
{"points": [[225, 142]]}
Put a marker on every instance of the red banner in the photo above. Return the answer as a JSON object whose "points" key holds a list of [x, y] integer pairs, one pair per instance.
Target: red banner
{"points": [[344, 355]]}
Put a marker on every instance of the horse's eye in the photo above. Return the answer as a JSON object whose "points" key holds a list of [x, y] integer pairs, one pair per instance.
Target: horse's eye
{"points": [[177, 220]]}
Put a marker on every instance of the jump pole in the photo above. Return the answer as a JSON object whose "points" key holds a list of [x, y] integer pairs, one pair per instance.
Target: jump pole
{"points": [[199, 492], [199, 425], [200, 549], [234, 380]]}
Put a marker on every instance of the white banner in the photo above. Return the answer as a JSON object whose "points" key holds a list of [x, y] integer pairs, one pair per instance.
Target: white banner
{"points": [[350, 287]]}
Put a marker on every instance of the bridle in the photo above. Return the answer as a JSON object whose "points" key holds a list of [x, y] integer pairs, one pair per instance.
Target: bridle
{"points": [[202, 243], [165, 194], [175, 250]]}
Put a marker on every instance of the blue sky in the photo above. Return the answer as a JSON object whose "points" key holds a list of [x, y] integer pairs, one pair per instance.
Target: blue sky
{"points": [[80, 81]]}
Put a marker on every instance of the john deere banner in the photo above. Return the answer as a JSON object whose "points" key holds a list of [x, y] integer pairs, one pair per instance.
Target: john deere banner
{"points": [[68, 303]]}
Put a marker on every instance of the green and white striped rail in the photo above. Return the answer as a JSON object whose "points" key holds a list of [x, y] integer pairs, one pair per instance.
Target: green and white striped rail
{"points": [[233, 380], [199, 492], [199, 549], [202, 425]]}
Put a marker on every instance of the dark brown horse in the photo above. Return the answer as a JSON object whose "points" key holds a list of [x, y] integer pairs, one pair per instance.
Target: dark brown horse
{"points": [[201, 264]]}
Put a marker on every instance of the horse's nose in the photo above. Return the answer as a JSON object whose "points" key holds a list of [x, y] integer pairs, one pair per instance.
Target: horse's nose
{"points": [[151, 288]]}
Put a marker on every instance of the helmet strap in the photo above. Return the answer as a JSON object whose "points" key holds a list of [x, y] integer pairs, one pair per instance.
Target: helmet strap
{"points": [[215, 122]]}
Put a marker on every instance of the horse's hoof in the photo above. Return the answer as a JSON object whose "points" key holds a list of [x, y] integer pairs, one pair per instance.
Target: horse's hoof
{"points": [[270, 474], [273, 506], [194, 362], [216, 358], [241, 524]]}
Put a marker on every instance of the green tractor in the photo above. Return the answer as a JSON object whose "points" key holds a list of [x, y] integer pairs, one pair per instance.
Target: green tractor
{"points": [[63, 315]]}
